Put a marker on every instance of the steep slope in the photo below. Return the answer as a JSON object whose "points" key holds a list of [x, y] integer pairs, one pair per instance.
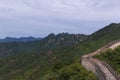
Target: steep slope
{"points": [[36, 60], [104, 36], [48, 43], [112, 30]]}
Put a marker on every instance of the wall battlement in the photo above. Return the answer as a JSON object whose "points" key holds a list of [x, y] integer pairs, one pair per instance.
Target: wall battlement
{"points": [[98, 67]]}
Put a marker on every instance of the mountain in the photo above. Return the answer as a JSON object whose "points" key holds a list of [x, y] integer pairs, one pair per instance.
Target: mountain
{"points": [[104, 36], [55, 57], [22, 39], [63, 39], [112, 30], [41, 59], [48, 43]]}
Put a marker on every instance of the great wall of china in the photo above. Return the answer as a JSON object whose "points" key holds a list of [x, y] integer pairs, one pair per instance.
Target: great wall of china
{"points": [[100, 68]]}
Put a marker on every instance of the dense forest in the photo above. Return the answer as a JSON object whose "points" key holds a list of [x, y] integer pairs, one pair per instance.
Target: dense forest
{"points": [[55, 57]]}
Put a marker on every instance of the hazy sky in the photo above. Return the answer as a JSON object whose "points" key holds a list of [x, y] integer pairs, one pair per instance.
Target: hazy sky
{"points": [[40, 17]]}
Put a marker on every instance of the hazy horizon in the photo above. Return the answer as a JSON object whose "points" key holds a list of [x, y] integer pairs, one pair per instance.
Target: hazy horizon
{"points": [[50, 33], [38, 18]]}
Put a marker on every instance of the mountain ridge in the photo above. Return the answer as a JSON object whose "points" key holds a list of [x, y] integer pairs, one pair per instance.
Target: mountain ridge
{"points": [[55, 57], [21, 39]]}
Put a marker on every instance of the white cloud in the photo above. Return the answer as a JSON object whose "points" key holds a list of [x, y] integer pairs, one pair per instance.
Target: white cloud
{"points": [[43, 14]]}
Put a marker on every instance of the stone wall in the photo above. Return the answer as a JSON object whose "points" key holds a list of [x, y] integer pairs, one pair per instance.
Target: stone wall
{"points": [[100, 68], [88, 64], [93, 67]]}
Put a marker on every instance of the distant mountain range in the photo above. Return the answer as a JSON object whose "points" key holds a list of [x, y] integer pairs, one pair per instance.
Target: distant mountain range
{"points": [[55, 57], [21, 39]]}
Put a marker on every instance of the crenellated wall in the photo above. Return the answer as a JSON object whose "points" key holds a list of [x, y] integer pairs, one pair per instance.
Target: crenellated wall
{"points": [[100, 68], [93, 67]]}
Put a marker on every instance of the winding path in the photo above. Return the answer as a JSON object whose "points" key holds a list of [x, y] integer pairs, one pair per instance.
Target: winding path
{"points": [[100, 68]]}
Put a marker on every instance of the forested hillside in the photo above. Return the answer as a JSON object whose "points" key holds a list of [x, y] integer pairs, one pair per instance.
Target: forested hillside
{"points": [[56, 57]]}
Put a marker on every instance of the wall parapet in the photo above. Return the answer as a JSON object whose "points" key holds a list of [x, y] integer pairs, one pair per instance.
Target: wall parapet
{"points": [[91, 64]]}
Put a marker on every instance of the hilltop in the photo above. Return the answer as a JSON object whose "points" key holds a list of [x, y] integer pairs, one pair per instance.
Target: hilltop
{"points": [[55, 57]]}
